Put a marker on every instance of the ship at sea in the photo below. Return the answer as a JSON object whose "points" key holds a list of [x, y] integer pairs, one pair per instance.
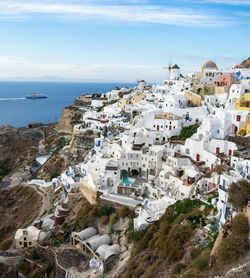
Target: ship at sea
{"points": [[36, 96]]}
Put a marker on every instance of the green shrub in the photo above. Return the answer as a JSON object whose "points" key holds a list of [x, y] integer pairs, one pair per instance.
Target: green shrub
{"points": [[239, 194], [114, 219], [123, 212], [177, 268], [5, 244], [25, 268], [33, 253], [232, 248], [54, 175], [173, 245], [151, 272], [240, 225], [135, 235], [188, 131], [138, 272], [213, 220], [202, 261], [104, 210], [130, 225], [235, 245], [186, 206], [104, 220], [89, 132], [195, 252], [147, 236]]}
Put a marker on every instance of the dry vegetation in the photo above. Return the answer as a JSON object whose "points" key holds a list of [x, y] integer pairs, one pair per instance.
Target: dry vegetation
{"points": [[19, 206], [168, 248], [17, 148]]}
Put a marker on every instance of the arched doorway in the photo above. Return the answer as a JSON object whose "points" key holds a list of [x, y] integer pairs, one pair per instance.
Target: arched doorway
{"points": [[134, 173]]}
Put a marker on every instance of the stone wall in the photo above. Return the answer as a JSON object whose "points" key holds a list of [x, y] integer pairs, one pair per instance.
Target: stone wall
{"points": [[49, 255], [9, 258], [89, 194]]}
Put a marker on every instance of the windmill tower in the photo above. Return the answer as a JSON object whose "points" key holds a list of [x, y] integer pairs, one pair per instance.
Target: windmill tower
{"points": [[141, 84], [168, 68]]}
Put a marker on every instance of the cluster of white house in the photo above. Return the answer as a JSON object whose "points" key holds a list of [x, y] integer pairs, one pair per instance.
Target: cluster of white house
{"points": [[139, 161], [137, 165]]}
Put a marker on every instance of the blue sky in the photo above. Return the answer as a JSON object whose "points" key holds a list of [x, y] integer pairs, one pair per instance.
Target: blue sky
{"points": [[119, 40]]}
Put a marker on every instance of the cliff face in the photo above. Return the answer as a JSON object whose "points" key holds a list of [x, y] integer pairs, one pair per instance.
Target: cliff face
{"points": [[18, 147], [70, 116], [19, 206]]}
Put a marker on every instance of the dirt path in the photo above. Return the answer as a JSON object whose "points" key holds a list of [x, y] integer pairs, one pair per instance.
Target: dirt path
{"points": [[45, 200]]}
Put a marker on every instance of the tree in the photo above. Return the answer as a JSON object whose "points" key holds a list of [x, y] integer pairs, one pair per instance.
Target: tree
{"points": [[235, 245], [202, 261], [123, 212], [232, 248], [239, 194], [240, 225], [114, 219], [104, 220]]}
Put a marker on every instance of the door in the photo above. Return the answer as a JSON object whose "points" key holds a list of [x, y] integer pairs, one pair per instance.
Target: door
{"points": [[235, 129], [217, 150], [229, 152], [25, 244], [197, 157], [158, 127], [170, 127]]}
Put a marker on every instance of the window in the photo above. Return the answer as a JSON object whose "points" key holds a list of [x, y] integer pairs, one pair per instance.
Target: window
{"points": [[25, 238], [20, 242], [238, 118], [30, 243]]}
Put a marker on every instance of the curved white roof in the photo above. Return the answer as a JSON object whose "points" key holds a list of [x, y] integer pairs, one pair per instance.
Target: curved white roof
{"points": [[98, 241], [112, 250], [32, 232], [105, 251], [101, 250], [86, 233]]}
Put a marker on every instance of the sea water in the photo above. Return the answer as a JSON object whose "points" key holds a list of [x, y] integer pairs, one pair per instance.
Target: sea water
{"points": [[18, 111]]}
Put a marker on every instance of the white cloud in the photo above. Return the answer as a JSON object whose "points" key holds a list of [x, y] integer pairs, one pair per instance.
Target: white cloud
{"points": [[11, 67], [124, 13], [229, 2]]}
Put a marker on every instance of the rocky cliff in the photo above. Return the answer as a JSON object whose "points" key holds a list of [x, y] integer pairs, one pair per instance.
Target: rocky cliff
{"points": [[71, 115], [18, 147]]}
